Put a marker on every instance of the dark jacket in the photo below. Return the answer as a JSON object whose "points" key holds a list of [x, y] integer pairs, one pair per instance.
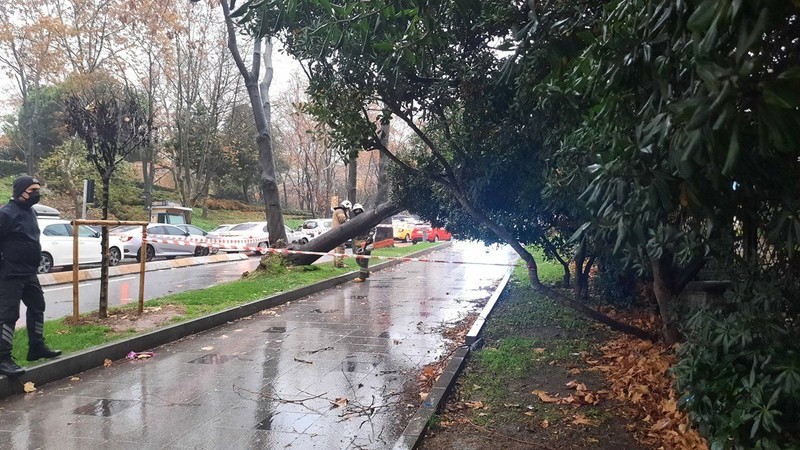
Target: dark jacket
{"points": [[20, 250]]}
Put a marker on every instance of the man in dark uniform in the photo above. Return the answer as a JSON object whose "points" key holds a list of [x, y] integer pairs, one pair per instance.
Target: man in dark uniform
{"points": [[362, 245], [20, 253]]}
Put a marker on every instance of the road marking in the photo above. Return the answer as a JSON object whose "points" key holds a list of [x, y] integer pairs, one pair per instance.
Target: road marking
{"points": [[66, 287]]}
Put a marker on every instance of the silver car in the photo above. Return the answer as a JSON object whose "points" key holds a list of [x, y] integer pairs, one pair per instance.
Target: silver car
{"points": [[164, 240], [197, 232]]}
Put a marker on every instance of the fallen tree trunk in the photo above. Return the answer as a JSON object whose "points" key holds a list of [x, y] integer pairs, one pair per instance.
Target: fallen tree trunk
{"points": [[335, 237]]}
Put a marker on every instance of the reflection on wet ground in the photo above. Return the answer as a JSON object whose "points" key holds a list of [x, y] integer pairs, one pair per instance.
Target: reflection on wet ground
{"points": [[325, 371]]}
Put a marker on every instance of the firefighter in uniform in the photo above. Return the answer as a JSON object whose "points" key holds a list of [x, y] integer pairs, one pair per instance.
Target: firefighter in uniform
{"points": [[20, 253], [362, 245], [339, 218]]}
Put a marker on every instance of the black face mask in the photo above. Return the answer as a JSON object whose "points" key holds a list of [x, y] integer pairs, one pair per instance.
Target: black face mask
{"points": [[33, 198]]}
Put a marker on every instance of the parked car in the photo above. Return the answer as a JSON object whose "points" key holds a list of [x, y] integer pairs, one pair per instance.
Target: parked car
{"points": [[254, 234], [296, 237], [314, 227], [424, 232], [197, 232], [214, 234], [168, 241], [403, 230], [56, 237], [250, 234]]}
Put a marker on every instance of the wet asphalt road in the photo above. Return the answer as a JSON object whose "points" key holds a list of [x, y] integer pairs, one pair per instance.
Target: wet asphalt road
{"points": [[326, 371]]}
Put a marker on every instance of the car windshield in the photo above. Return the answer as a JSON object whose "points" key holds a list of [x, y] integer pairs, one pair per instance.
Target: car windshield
{"points": [[220, 228], [310, 224], [244, 226]]}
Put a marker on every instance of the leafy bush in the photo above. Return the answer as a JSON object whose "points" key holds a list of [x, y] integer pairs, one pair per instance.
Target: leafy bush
{"points": [[740, 369], [12, 168], [616, 284]]}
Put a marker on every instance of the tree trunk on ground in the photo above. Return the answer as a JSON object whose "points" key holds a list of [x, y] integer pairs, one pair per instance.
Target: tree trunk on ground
{"points": [[350, 229]]}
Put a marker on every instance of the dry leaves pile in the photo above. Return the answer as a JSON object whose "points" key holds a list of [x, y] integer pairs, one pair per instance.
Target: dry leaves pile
{"points": [[637, 372]]}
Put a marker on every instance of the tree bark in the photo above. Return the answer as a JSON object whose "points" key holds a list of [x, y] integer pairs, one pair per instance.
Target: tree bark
{"points": [[565, 264], [102, 310], [666, 298], [261, 117], [350, 229], [352, 175], [383, 164]]}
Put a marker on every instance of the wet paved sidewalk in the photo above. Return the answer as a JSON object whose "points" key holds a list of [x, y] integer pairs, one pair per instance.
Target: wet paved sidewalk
{"points": [[271, 380]]}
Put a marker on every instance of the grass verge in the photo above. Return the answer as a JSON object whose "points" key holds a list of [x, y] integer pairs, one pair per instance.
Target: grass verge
{"points": [[62, 334], [519, 390]]}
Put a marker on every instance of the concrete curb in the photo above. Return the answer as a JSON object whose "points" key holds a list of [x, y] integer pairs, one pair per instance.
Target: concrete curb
{"points": [[49, 279], [94, 357], [412, 435]]}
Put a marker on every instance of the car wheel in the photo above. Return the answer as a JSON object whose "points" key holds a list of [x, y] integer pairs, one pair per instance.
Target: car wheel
{"points": [[407, 239], [303, 241], [262, 248], [45, 263], [151, 253], [114, 256]]}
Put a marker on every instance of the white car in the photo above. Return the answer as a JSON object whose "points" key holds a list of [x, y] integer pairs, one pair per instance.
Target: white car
{"points": [[163, 239], [314, 227], [214, 234], [253, 234], [56, 239]]}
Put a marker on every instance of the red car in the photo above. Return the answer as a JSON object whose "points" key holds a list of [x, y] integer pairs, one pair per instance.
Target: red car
{"points": [[424, 232]]}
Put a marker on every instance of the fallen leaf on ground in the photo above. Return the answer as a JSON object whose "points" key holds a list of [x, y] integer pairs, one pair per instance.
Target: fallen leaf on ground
{"points": [[475, 405], [207, 348], [575, 385], [29, 387], [340, 402], [529, 413], [107, 363], [580, 419], [543, 396], [74, 379], [538, 350], [544, 424], [423, 396]]}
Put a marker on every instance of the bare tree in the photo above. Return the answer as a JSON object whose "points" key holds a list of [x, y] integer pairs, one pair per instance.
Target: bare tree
{"points": [[269, 181], [110, 119], [26, 45]]}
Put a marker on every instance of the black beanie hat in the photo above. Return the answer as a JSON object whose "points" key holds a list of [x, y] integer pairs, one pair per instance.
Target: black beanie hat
{"points": [[22, 183]]}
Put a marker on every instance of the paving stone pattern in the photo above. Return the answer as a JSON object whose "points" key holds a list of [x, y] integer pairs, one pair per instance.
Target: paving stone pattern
{"points": [[271, 380]]}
